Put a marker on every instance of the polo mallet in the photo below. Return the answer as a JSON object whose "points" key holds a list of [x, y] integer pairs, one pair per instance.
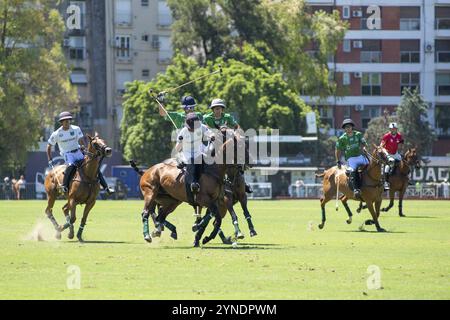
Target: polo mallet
{"points": [[336, 180], [192, 81], [160, 104]]}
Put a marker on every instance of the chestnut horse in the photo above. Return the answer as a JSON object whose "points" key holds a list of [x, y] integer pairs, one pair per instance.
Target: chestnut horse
{"points": [[83, 189], [371, 188], [163, 185], [399, 180]]}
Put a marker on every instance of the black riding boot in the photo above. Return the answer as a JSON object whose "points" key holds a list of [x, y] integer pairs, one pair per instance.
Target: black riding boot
{"points": [[386, 182], [195, 185], [355, 184], [103, 183], [68, 175]]}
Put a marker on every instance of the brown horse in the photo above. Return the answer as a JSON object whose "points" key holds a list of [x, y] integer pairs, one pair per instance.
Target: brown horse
{"points": [[335, 180], [83, 189], [400, 179], [163, 185]]}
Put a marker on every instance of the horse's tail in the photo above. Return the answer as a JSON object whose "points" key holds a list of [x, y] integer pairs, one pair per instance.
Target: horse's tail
{"points": [[135, 167]]}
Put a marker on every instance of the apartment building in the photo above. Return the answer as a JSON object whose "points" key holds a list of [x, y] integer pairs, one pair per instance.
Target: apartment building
{"points": [[118, 41], [407, 46]]}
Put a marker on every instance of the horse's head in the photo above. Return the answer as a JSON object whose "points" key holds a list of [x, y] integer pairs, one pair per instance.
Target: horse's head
{"points": [[232, 146], [379, 155], [411, 158], [98, 147]]}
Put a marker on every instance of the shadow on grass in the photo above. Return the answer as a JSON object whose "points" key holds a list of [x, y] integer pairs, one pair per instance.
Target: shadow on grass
{"points": [[418, 217], [97, 242], [371, 231], [240, 246]]}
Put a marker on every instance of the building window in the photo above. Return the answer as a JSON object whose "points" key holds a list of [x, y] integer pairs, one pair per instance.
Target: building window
{"points": [[145, 37], [409, 80], [326, 115], [346, 46], [371, 84], [123, 47], [442, 17], [347, 112], [346, 12], [442, 51], [409, 51], [79, 77], [368, 113], [77, 48], [371, 51], [443, 84], [123, 12], [122, 77], [144, 3], [165, 50], [145, 73], [409, 18], [164, 14], [346, 78], [442, 118]]}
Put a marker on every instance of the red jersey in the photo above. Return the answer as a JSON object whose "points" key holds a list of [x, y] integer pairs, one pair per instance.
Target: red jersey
{"points": [[391, 142]]}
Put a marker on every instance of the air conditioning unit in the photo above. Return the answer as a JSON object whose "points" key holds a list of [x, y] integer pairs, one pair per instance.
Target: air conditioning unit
{"points": [[357, 13], [428, 48], [357, 74], [359, 107], [66, 43], [357, 44]]}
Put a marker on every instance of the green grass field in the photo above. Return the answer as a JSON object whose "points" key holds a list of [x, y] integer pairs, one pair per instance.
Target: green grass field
{"points": [[287, 260]]}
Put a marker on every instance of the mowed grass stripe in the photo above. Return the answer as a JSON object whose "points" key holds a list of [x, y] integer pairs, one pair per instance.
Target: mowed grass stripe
{"points": [[287, 260]]}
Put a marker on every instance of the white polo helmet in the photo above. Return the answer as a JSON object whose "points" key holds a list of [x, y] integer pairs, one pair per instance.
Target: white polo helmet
{"points": [[393, 125], [217, 103]]}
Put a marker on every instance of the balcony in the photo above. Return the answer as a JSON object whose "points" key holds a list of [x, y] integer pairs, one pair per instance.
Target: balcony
{"points": [[370, 56]]}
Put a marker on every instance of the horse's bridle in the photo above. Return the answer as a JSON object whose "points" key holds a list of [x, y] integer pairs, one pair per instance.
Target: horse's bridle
{"points": [[100, 152]]}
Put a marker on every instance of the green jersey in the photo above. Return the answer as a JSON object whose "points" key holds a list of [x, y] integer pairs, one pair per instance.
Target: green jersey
{"points": [[180, 118], [226, 120], [351, 145]]}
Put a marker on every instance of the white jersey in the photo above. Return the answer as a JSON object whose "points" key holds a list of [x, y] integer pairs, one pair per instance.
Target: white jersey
{"points": [[67, 140], [192, 142]]}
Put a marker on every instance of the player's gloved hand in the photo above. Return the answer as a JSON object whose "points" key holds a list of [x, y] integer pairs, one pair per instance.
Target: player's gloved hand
{"points": [[50, 163], [339, 164]]}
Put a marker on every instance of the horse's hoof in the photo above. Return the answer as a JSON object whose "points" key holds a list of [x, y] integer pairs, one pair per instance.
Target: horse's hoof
{"points": [[174, 236], [156, 234], [384, 209], [349, 221], [71, 235], [58, 235], [381, 230], [358, 210], [206, 240], [80, 239], [227, 241], [239, 235], [402, 215], [253, 233], [321, 225], [196, 244]]}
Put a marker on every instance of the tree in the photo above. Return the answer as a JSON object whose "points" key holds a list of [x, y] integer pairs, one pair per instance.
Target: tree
{"points": [[34, 78], [285, 32], [412, 115], [377, 128], [258, 97]]}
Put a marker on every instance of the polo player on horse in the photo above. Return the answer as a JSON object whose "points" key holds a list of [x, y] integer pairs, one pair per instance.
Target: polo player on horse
{"points": [[350, 143], [188, 104], [190, 145], [217, 119], [391, 142], [71, 146]]}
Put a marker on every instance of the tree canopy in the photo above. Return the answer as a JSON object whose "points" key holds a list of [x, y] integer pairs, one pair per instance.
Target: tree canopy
{"points": [[255, 94], [34, 78]]}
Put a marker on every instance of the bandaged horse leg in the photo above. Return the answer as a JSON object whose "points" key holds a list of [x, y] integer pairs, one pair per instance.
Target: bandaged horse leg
{"points": [[224, 238], [349, 212], [71, 234], [237, 232], [201, 227], [217, 223], [86, 211], [248, 217]]}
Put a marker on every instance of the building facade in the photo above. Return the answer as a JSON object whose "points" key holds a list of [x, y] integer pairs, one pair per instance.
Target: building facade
{"points": [[116, 42], [389, 46]]}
